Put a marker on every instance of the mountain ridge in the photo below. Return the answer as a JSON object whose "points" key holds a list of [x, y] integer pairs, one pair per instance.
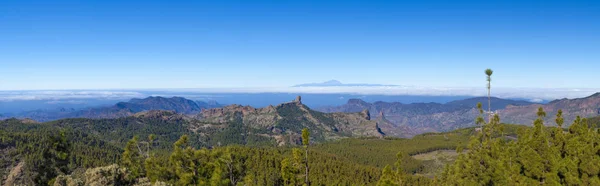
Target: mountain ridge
{"points": [[122, 109], [288, 119], [436, 117], [425, 117]]}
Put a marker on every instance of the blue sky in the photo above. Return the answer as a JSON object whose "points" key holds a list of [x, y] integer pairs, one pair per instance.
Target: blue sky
{"points": [[207, 44]]}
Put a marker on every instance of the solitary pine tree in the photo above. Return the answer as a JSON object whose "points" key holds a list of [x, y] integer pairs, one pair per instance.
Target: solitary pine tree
{"points": [[488, 73]]}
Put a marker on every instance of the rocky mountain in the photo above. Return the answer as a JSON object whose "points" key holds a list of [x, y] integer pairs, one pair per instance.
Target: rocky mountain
{"points": [[285, 121], [177, 104], [497, 103], [389, 128], [122, 109], [425, 117], [435, 117], [584, 107]]}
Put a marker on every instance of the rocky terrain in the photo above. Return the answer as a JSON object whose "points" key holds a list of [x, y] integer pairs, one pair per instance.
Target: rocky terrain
{"points": [[285, 121], [584, 107], [435, 117], [424, 117], [233, 124]]}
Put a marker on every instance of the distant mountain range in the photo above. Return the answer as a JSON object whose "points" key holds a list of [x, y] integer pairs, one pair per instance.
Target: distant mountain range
{"points": [[285, 121], [121, 109], [584, 107], [234, 124], [355, 118], [336, 83], [435, 117]]}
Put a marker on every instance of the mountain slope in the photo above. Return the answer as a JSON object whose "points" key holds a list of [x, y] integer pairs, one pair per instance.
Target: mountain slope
{"points": [[432, 117], [497, 103], [584, 107], [284, 122], [122, 109], [425, 117]]}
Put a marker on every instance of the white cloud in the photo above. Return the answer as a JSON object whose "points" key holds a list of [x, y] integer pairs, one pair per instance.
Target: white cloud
{"points": [[66, 94], [74, 102], [536, 100]]}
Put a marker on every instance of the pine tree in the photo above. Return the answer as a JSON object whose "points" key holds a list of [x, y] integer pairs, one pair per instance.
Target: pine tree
{"points": [[305, 143], [234, 166], [388, 178], [217, 177], [60, 152], [488, 73], [132, 159], [182, 162], [299, 161], [289, 172], [399, 172]]}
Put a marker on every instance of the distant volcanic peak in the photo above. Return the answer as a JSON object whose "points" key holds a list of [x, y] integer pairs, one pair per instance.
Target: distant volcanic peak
{"points": [[332, 82], [357, 101]]}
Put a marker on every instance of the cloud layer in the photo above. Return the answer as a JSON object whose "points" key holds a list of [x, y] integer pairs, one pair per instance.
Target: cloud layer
{"points": [[66, 94], [532, 94]]}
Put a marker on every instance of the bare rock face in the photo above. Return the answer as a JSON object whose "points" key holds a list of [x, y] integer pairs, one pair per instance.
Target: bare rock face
{"points": [[298, 100], [366, 114], [29, 121]]}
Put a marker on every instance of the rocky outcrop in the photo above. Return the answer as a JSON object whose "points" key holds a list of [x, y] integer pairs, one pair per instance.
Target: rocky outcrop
{"points": [[288, 119], [15, 175]]}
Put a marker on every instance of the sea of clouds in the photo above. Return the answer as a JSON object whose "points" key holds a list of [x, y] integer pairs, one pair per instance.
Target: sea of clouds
{"points": [[532, 94], [58, 95]]}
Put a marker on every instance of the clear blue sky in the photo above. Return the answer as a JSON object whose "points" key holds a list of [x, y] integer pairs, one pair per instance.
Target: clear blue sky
{"points": [[197, 44]]}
